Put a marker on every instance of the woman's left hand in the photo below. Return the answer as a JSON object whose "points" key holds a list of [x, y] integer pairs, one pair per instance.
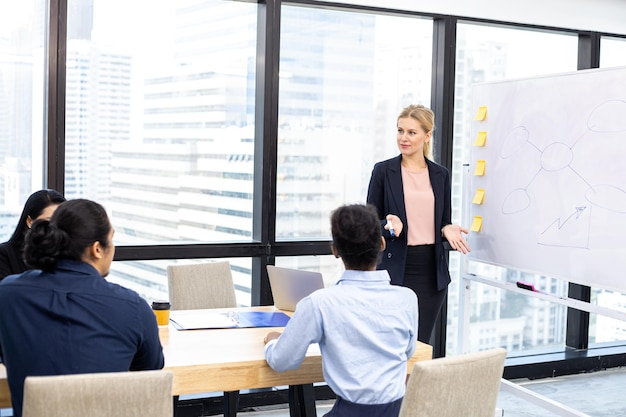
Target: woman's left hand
{"points": [[453, 234]]}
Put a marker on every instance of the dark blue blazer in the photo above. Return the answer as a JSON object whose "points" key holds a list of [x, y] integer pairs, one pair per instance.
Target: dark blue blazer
{"points": [[385, 192]]}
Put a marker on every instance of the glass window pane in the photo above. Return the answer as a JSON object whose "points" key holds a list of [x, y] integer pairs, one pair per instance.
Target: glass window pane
{"points": [[22, 108], [512, 320], [344, 77], [603, 328], [330, 267], [149, 278], [487, 53], [612, 52], [160, 116]]}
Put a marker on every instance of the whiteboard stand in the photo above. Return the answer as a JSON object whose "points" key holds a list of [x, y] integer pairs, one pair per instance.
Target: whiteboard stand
{"points": [[465, 284], [464, 316], [540, 400]]}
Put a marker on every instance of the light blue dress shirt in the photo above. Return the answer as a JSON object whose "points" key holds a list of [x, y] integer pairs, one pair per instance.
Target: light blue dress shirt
{"points": [[366, 329]]}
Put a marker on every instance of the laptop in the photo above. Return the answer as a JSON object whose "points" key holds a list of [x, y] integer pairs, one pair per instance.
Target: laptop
{"points": [[291, 285]]}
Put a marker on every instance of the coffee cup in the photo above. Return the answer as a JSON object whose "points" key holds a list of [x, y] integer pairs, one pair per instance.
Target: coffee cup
{"points": [[162, 312]]}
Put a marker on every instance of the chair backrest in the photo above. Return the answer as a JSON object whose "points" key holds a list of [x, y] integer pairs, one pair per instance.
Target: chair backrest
{"points": [[202, 285], [462, 385], [120, 394]]}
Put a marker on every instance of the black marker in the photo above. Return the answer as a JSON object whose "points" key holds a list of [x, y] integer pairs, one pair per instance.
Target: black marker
{"points": [[526, 286]]}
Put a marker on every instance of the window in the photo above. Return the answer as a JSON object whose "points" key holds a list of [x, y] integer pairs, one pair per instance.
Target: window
{"points": [[330, 267], [160, 122], [612, 52], [149, 278], [344, 78], [22, 108]]}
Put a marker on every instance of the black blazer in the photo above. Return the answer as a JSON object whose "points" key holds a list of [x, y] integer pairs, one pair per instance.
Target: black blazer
{"points": [[385, 192], [11, 261]]}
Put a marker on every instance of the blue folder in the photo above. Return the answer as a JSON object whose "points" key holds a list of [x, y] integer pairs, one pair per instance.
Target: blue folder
{"points": [[189, 320]]}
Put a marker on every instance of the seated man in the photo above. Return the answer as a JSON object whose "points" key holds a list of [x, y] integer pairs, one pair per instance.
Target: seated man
{"points": [[366, 328], [63, 317]]}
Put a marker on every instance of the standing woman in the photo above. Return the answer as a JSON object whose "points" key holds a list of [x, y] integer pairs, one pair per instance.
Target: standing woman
{"points": [[40, 205], [412, 196]]}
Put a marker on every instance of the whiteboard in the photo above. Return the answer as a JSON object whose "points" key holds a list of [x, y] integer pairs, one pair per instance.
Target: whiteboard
{"points": [[554, 176]]}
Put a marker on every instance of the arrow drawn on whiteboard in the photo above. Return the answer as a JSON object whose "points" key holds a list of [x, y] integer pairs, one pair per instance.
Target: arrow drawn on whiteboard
{"points": [[569, 232], [577, 213]]}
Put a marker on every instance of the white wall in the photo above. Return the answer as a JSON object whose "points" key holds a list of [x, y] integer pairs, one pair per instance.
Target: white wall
{"points": [[595, 15]]}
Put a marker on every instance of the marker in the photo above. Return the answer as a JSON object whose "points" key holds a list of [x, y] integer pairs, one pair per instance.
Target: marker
{"points": [[391, 231], [526, 286], [530, 287]]}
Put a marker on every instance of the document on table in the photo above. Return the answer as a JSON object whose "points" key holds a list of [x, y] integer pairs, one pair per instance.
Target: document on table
{"points": [[201, 319]]}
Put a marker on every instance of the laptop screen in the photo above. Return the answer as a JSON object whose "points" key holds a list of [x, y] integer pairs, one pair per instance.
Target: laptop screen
{"points": [[291, 285]]}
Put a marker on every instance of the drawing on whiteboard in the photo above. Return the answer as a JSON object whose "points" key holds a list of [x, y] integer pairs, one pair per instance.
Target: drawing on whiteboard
{"points": [[574, 228], [554, 200]]}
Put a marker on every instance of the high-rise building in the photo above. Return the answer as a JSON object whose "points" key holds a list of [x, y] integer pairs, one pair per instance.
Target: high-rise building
{"points": [[98, 102], [17, 58]]}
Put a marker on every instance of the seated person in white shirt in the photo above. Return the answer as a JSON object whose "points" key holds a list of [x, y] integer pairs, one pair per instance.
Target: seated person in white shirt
{"points": [[366, 328]]}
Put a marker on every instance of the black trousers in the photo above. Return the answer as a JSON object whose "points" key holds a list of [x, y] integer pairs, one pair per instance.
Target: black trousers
{"points": [[344, 408], [420, 275]]}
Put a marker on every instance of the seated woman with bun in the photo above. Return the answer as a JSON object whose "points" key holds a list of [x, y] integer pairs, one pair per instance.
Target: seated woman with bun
{"points": [[63, 316]]}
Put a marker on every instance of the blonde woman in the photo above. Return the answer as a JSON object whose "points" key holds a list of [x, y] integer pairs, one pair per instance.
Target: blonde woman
{"points": [[412, 196]]}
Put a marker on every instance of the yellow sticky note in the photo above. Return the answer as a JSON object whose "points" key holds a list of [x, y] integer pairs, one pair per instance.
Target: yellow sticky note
{"points": [[477, 224], [482, 113], [480, 139], [480, 167], [479, 196]]}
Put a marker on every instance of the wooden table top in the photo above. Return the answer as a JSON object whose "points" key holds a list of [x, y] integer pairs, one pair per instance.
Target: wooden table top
{"points": [[218, 360], [233, 359]]}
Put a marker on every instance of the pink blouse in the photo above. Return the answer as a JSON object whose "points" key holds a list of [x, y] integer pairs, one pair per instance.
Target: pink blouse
{"points": [[419, 202]]}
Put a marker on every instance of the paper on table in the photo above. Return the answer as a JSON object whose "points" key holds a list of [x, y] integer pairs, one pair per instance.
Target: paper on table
{"points": [[190, 319]]}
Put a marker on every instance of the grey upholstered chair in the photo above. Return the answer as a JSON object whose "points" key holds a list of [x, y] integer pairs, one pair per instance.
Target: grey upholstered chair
{"points": [[202, 285], [462, 385], [119, 394]]}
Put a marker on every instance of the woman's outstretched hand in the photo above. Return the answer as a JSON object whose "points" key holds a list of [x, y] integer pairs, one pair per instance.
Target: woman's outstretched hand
{"points": [[454, 235]]}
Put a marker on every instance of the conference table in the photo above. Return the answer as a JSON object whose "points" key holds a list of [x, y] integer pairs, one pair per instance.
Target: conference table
{"points": [[230, 359]]}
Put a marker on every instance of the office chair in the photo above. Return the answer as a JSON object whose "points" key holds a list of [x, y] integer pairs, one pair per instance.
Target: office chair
{"points": [[462, 385], [120, 394], [204, 285]]}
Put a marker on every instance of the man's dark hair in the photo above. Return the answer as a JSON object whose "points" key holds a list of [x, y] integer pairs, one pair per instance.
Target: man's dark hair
{"points": [[74, 226], [356, 232]]}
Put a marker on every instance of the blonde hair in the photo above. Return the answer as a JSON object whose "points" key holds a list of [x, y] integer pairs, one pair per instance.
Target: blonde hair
{"points": [[426, 118]]}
